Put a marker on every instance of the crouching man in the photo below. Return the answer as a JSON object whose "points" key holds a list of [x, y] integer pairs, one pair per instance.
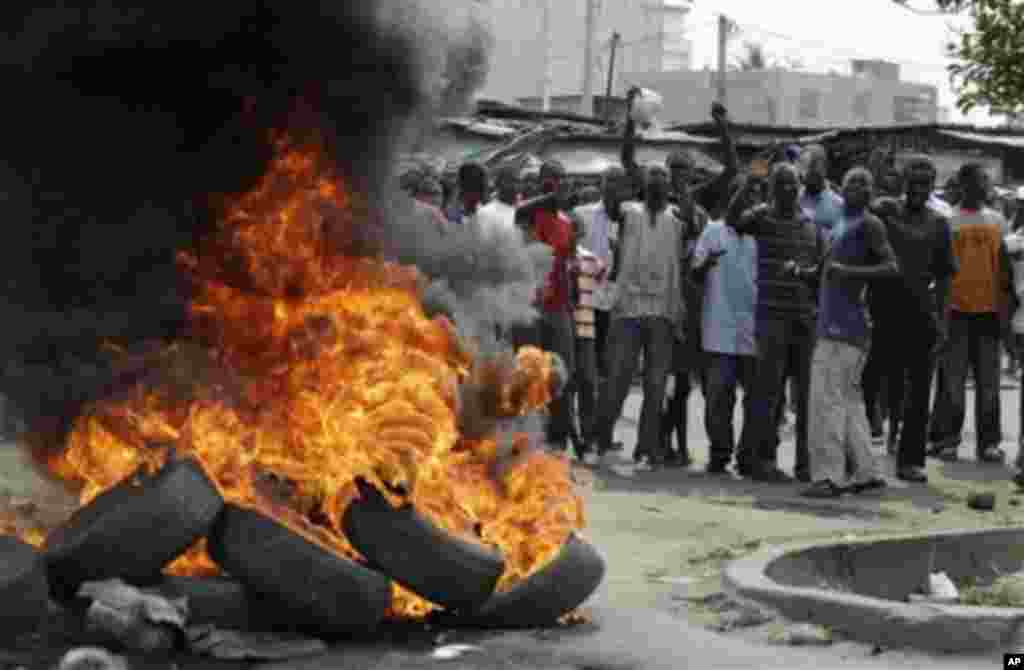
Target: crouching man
{"points": [[838, 430]]}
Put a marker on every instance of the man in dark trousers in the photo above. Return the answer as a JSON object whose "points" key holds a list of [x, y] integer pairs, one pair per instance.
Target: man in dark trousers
{"points": [[785, 321], [693, 205], [909, 311], [543, 219]]}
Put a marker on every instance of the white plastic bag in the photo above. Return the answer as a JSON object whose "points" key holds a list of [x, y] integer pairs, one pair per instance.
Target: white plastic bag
{"points": [[940, 586], [646, 107]]}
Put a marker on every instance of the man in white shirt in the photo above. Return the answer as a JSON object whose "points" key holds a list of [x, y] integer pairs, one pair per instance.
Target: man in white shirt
{"points": [[500, 213]]}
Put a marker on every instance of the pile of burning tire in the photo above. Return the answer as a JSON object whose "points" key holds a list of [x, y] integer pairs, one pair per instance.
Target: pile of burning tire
{"points": [[276, 579]]}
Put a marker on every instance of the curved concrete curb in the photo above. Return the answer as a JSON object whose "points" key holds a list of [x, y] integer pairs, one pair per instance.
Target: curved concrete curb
{"points": [[889, 623]]}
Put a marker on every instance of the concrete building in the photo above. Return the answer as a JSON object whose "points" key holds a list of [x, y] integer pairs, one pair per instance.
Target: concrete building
{"points": [[652, 40], [873, 95]]}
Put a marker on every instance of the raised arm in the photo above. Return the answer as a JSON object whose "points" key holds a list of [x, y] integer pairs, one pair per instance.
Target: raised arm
{"points": [[712, 195], [743, 219]]}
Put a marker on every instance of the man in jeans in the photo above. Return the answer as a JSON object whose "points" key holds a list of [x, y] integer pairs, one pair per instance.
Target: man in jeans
{"points": [[978, 297], [784, 321], [909, 311], [726, 264], [838, 432], [648, 310]]}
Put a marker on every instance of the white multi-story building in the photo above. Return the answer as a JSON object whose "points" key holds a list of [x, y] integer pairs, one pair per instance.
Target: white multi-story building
{"points": [[872, 95], [652, 40]]}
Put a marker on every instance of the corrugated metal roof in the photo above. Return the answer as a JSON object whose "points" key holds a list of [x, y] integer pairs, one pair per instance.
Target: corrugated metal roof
{"points": [[1015, 141]]}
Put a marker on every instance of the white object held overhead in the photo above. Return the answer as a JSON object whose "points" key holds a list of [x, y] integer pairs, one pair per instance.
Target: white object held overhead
{"points": [[646, 106]]}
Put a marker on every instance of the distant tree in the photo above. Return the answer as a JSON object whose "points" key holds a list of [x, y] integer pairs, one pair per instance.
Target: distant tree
{"points": [[988, 71]]}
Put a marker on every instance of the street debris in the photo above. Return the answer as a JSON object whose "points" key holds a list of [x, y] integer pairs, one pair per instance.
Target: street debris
{"points": [[137, 620], [745, 617], [453, 651], [983, 502], [804, 635]]}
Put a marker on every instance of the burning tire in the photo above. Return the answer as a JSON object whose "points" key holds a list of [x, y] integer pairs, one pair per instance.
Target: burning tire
{"points": [[407, 547], [133, 530], [23, 588], [316, 589], [557, 589]]}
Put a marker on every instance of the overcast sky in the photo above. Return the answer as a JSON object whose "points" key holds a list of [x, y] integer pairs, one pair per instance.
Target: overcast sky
{"points": [[826, 34]]}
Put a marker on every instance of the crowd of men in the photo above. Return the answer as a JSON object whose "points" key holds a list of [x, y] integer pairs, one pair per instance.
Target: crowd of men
{"points": [[848, 303]]}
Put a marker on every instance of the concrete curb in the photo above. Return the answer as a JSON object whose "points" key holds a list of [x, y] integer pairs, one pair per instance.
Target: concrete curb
{"points": [[889, 623]]}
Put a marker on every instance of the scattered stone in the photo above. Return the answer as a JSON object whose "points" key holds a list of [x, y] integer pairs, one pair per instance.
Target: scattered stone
{"points": [[752, 545], [806, 635], [1014, 502], [982, 502], [648, 508], [877, 651], [746, 617], [938, 509]]}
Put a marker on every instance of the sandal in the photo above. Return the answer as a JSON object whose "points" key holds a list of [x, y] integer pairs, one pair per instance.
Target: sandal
{"points": [[949, 455], [992, 455], [823, 489]]}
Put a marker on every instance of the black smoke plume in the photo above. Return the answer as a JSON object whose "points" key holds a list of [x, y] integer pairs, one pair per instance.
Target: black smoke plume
{"points": [[125, 119]]}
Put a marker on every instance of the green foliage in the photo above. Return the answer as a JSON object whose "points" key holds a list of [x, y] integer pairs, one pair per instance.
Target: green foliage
{"points": [[989, 71]]}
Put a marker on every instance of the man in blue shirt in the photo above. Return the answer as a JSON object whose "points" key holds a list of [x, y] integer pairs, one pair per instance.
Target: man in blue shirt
{"points": [[726, 263], [838, 427]]}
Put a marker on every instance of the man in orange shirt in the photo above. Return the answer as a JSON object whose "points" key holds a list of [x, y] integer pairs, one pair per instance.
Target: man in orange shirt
{"points": [[978, 299]]}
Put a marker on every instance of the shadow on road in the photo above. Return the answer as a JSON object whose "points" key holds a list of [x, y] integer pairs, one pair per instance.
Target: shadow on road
{"points": [[730, 490]]}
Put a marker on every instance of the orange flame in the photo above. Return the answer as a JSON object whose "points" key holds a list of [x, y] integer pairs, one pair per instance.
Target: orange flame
{"points": [[319, 367]]}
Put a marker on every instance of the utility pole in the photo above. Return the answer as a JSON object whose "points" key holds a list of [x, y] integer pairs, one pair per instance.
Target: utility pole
{"points": [[587, 105], [611, 77], [724, 28], [548, 74]]}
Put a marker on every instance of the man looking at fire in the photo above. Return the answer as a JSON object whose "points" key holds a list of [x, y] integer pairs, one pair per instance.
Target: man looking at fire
{"points": [[648, 310], [544, 220], [838, 432], [693, 206], [784, 321], [909, 312]]}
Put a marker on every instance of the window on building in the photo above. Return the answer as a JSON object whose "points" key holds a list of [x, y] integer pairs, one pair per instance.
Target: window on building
{"points": [[810, 105]]}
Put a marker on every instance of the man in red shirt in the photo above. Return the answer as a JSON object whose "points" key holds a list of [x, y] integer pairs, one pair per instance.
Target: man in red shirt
{"points": [[544, 220]]}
